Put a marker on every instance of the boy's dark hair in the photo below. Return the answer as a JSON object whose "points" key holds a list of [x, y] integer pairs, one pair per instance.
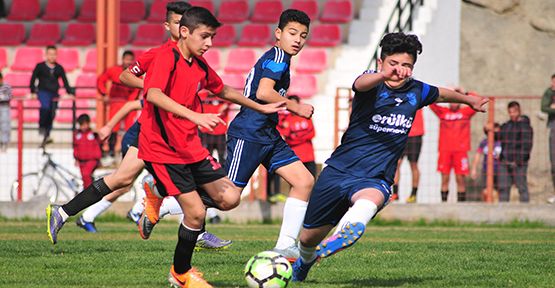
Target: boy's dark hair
{"points": [[513, 104], [83, 118], [1, 76], [51, 47], [293, 15], [196, 16], [495, 125], [176, 7], [128, 52], [553, 76], [394, 43], [294, 98]]}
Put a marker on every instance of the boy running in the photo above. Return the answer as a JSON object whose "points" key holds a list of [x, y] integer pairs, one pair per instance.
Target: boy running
{"points": [[360, 171]]}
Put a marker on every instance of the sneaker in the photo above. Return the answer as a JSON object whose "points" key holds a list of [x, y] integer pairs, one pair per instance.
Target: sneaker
{"points": [[151, 201], [215, 220], [210, 241], [145, 226], [290, 253], [54, 222], [551, 200], [350, 233], [133, 217], [191, 279], [394, 197], [300, 269], [279, 197], [88, 226], [411, 199]]}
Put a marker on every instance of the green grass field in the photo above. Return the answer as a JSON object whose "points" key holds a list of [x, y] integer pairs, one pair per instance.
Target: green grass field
{"points": [[389, 255]]}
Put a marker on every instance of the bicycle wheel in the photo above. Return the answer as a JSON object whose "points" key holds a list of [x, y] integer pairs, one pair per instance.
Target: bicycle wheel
{"points": [[34, 186]]}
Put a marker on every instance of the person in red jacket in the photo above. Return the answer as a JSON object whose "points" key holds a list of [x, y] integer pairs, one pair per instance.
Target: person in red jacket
{"points": [[118, 95], [86, 149], [454, 144], [215, 139]]}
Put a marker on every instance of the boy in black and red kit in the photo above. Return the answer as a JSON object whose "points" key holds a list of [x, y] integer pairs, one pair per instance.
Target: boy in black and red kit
{"points": [[86, 149]]}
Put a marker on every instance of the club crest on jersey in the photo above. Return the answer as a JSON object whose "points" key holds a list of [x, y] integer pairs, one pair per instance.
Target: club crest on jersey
{"points": [[399, 101], [412, 98]]}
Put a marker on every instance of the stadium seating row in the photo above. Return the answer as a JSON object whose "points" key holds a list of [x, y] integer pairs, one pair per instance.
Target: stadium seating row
{"points": [[83, 34], [229, 11]]}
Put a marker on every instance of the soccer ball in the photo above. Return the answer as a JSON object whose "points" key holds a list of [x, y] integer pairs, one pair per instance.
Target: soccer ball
{"points": [[268, 269]]}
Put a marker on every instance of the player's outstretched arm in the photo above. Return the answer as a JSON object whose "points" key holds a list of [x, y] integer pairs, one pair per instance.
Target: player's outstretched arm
{"points": [[131, 80], [267, 94], [234, 96], [106, 130], [476, 102], [162, 101]]}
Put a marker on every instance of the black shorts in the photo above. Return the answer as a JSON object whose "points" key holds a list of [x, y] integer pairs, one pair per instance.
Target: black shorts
{"points": [[412, 150], [175, 179]]}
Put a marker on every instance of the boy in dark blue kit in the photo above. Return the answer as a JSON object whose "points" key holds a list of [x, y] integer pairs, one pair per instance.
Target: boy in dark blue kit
{"points": [[356, 183], [253, 138]]}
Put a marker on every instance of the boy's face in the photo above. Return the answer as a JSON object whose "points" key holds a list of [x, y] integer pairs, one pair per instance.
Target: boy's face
{"points": [[292, 38], [553, 83], [454, 106], [127, 61], [514, 113], [51, 55], [173, 26], [391, 62], [199, 41], [84, 126]]}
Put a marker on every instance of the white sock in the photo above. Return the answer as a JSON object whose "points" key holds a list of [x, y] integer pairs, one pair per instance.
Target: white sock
{"points": [[200, 235], [170, 206], [96, 209], [63, 214], [211, 213], [138, 208], [362, 211], [293, 217], [308, 254]]}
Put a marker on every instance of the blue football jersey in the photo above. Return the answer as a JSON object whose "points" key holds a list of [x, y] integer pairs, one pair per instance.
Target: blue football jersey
{"points": [[257, 127], [378, 129]]}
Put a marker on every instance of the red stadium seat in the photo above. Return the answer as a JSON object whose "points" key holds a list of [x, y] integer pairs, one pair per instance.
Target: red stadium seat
{"points": [[43, 34], [85, 86], [79, 34], [65, 113], [267, 11], [59, 10], [133, 11], [12, 34], [236, 81], [90, 61], [124, 34], [157, 13], [208, 4], [233, 11], [240, 60], [31, 111], [68, 58], [27, 58], [325, 35], [337, 11], [310, 7], [150, 35], [19, 82], [138, 52], [24, 10], [212, 56], [255, 35], [87, 13], [303, 85], [225, 36], [312, 60], [3, 58]]}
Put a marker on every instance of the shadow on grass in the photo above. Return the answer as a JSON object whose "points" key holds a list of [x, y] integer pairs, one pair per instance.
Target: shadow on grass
{"points": [[379, 282]]}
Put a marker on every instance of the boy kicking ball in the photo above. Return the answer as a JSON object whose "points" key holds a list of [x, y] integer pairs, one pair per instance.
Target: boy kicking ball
{"points": [[356, 183]]}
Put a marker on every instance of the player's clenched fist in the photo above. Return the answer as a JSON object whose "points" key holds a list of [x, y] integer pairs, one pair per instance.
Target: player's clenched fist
{"points": [[305, 110]]}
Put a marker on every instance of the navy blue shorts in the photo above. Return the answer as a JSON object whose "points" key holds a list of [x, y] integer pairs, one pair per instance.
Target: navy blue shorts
{"points": [[131, 138], [331, 196], [243, 157]]}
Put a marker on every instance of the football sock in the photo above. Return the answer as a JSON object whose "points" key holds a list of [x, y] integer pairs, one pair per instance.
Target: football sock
{"points": [[87, 197], [308, 254], [461, 196], [396, 189], [138, 208], [170, 206], [359, 212], [187, 238], [211, 213], [444, 195], [63, 214], [414, 190], [293, 217], [96, 209]]}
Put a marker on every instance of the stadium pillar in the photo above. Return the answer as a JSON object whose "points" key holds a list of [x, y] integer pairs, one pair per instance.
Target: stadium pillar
{"points": [[491, 139]]}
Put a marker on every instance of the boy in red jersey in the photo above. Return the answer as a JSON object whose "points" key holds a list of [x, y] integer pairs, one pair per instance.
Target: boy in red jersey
{"points": [[454, 144], [86, 149], [169, 143]]}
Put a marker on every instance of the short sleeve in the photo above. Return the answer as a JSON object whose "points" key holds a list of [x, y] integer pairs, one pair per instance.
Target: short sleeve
{"points": [[214, 82], [143, 63], [162, 67], [369, 71], [429, 94], [276, 64]]}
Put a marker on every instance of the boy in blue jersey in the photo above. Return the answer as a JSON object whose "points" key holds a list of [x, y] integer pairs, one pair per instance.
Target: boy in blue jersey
{"points": [[356, 183], [253, 138]]}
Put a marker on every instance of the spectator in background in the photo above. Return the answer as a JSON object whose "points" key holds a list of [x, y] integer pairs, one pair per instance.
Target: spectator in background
{"points": [[454, 144], [483, 150], [117, 97], [516, 142], [548, 106], [48, 73], [412, 152], [5, 119], [86, 149]]}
